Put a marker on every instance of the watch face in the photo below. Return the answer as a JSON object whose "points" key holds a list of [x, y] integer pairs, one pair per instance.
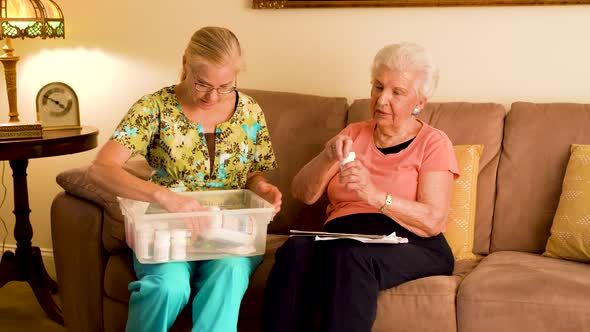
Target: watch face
{"points": [[57, 106]]}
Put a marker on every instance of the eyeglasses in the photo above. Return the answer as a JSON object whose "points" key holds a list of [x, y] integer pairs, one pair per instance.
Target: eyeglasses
{"points": [[220, 90]]}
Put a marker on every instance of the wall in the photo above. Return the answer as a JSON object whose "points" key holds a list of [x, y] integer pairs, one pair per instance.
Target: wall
{"points": [[115, 51]]}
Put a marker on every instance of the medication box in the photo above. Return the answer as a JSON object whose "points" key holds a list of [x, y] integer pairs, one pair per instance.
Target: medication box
{"points": [[233, 223]]}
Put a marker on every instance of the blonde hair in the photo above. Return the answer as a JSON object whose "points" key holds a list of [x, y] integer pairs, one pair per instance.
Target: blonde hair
{"points": [[213, 45], [407, 56]]}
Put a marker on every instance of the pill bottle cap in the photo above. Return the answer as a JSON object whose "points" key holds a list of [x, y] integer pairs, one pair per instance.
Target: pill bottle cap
{"points": [[351, 156]]}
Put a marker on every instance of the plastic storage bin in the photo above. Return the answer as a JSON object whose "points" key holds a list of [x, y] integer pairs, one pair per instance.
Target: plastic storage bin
{"points": [[233, 224]]}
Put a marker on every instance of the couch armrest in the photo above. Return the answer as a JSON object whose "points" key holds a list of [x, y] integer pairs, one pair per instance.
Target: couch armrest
{"points": [[78, 183], [76, 228], [86, 224]]}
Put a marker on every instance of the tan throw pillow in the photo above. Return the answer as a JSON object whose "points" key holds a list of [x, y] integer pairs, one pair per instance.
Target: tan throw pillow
{"points": [[570, 232], [461, 220]]}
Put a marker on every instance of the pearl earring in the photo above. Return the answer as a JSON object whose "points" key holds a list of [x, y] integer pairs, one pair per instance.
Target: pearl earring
{"points": [[416, 111]]}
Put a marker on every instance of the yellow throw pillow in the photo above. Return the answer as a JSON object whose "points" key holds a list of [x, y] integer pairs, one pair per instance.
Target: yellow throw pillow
{"points": [[570, 232], [461, 220]]}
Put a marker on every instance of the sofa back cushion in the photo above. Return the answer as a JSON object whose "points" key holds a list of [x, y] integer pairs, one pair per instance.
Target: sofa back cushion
{"points": [[536, 149], [299, 126], [465, 123]]}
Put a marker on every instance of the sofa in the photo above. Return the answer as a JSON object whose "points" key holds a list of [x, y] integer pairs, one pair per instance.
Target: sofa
{"points": [[508, 286]]}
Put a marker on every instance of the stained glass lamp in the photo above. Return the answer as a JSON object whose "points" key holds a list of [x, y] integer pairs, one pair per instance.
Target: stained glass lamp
{"points": [[25, 19]]}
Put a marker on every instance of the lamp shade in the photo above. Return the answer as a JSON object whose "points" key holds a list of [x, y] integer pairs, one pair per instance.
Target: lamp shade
{"points": [[25, 19], [31, 19]]}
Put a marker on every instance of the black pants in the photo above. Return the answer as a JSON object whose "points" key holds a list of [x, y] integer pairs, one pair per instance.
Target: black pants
{"points": [[338, 281]]}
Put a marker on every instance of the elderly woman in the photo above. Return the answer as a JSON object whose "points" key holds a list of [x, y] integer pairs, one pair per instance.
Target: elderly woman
{"points": [[400, 182], [200, 134]]}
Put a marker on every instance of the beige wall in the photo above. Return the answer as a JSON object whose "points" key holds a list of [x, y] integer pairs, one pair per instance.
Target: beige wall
{"points": [[116, 51]]}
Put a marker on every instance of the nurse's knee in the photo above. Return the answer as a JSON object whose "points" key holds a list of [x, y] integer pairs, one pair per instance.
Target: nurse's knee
{"points": [[168, 287], [237, 266]]}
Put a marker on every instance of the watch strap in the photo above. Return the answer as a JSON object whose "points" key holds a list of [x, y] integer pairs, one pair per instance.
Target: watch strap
{"points": [[388, 201]]}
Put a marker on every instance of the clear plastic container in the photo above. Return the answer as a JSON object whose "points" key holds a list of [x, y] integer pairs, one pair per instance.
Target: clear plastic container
{"points": [[232, 223]]}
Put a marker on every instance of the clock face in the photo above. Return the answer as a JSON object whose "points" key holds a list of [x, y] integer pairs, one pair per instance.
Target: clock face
{"points": [[57, 100], [57, 106]]}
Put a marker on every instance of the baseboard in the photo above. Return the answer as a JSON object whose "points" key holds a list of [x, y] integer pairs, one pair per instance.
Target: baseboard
{"points": [[47, 255]]}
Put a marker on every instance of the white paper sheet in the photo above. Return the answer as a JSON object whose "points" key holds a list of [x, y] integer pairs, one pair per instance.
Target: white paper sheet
{"points": [[389, 239]]}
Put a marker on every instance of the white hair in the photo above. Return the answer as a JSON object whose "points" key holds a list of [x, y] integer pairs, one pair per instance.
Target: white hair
{"points": [[405, 57]]}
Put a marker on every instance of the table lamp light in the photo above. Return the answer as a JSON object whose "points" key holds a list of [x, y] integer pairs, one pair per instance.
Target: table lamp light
{"points": [[24, 19]]}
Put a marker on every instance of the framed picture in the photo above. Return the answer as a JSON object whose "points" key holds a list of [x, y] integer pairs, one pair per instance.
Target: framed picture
{"points": [[278, 4]]}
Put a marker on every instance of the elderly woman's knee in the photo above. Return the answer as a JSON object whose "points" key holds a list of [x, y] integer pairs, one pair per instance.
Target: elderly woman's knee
{"points": [[340, 255]]}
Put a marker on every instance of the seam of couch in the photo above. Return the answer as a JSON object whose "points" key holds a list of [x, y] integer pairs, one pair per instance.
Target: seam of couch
{"points": [[421, 295], [500, 149], [523, 302], [104, 294]]}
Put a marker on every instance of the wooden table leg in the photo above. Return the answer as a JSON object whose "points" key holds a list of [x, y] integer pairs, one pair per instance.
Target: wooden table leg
{"points": [[38, 278], [26, 264], [7, 268]]}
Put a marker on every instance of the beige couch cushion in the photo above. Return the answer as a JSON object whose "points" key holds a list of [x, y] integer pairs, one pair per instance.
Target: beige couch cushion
{"points": [[537, 140], [299, 126], [432, 299], [462, 122], [515, 291]]}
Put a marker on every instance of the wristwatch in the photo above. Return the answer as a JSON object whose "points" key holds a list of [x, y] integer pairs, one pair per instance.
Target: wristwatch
{"points": [[388, 201]]}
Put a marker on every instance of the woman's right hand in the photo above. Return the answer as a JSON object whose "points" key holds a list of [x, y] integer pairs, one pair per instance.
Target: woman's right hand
{"points": [[175, 203], [338, 147], [311, 181]]}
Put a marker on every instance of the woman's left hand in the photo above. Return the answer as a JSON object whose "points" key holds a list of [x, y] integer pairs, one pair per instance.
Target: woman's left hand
{"points": [[355, 176], [270, 193]]}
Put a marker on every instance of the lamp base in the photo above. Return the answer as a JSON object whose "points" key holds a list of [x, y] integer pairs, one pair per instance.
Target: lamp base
{"points": [[20, 130]]}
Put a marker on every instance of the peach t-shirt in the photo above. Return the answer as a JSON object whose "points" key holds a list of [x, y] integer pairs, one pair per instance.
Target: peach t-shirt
{"points": [[397, 173]]}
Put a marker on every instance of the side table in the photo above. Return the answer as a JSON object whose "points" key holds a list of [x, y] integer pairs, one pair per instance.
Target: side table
{"points": [[26, 264]]}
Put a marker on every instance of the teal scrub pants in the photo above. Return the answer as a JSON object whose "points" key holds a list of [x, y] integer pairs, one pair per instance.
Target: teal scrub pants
{"points": [[163, 290]]}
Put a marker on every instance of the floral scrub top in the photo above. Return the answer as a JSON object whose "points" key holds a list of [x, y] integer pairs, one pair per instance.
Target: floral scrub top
{"points": [[156, 128]]}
